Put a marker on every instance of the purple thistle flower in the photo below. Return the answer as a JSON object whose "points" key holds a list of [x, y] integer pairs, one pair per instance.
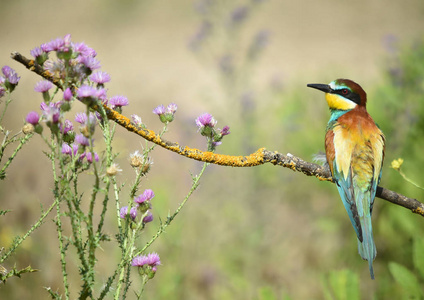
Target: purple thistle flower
{"points": [[66, 127], [66, 149], [118, 101], [67, 95], [225, 131], [44, 47], [54, 67], [14, 78], [148, 218], [205, 120], [51, 112], [89, 157], [82, 140], [11, 77], [2, 91], [137, 120], [172, 108], [133, 212], [82, 156], [84, 50], [100, 77], [139, 261], [81, 118], [152, 259], [147, 195], [86, 91], [124, 212], [36, 52], [75, 148], [101, 94], [90, 62], [39, 54], [43, 86], [32, 118], [54, 45], [7, 71], [160, 110], [166, 115]]}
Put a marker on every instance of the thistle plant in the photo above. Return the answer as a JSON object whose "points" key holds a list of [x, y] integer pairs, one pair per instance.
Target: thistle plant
{"points": [[72, 148]]}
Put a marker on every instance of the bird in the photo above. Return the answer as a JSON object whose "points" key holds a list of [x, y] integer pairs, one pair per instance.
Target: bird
{"points": [[354, 148]]}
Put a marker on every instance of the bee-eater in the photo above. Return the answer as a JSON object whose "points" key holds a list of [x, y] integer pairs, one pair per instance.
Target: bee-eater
{"points": [[354, 147]]}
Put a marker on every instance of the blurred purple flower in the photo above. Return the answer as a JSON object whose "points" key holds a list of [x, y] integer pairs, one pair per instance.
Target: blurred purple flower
{"points": [[54, 45], [82, 140], [226, 64], [205, 120], [166, 115], [137, 120], [89, 157], [66, 127], [90, 62], [148, 218], [11, 77], [202, 33], [32, 118], [66, 149], [147, 195], [43, 86], [7, 71], [260, 41], [36, 52], [152, 259], [81, 118], [124, 212], [225, 131], [87, 92], [100, 77], [51, 112], [171, 108], [139, 261], [84, 50], [239, 14], [160, 110], [67, 95], [118, 101]]}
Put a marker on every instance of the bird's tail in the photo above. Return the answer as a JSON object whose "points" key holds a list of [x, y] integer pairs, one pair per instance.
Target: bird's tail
{"points": [[366, 248]]}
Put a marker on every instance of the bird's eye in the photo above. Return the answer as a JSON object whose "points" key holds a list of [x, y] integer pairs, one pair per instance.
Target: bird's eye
{"points": [[345, 91]]}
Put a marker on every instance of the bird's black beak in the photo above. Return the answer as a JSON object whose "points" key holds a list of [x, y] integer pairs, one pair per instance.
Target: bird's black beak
{"points": [[322, 87]]}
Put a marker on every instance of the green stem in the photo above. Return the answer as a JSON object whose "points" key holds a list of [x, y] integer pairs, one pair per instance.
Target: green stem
{"points": [[59, 226], [31, 230], [410, 181], [9, 161], [171, 218]]}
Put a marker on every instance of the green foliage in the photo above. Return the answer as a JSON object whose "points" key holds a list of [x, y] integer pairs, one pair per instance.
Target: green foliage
{"points": [[341, 285], [418, 256], [406, 279], [5, 274], [3, 212]]}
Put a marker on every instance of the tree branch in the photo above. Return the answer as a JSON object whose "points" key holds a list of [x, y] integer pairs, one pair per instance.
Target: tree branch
{"points": [[260, 157]]}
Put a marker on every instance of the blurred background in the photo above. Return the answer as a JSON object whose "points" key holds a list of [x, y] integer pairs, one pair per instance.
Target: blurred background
{"points": [[251, 233]]}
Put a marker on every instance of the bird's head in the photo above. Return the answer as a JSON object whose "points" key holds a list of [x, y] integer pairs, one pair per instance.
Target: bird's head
{"points": [[342, 94]]}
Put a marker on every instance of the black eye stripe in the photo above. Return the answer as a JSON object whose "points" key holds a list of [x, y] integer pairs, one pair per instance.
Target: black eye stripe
{"points": [[346, 93]]}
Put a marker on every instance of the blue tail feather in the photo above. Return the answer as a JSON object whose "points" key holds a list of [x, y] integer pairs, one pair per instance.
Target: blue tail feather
{"points": [[367, 248]]}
